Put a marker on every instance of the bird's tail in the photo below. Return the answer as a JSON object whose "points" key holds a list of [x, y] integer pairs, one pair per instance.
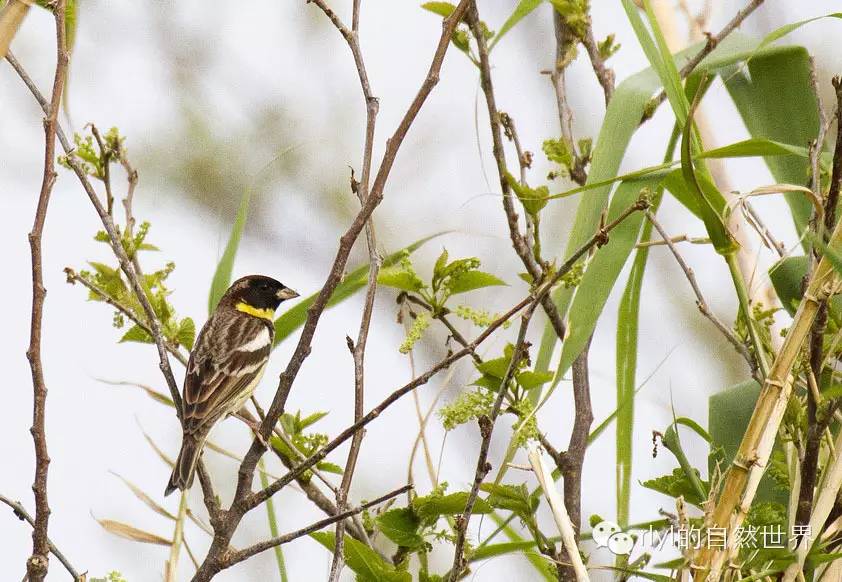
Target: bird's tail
{"points": [[185, 465]]}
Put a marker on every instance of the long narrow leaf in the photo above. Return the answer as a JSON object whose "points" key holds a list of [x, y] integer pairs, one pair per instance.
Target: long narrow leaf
{"points": [[222, 275], [523, 8]]}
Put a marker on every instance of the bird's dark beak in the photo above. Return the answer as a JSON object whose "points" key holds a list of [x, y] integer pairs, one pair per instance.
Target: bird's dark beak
{"points": [[286, 293]]}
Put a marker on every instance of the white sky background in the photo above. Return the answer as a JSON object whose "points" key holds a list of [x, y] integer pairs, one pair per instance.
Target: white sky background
{"points": [[284, 55]]}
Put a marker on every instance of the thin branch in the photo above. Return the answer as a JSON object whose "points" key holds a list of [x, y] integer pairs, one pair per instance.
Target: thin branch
{"points": [[235, 557], [73, 277], [710, 45], [815, 426], [38, 563], [243, 499], [375, 261], [700, 299], [574, 457], [599, 238], [604, 74], [486, 426], [23, 515], [113, 237], [519, 242]]}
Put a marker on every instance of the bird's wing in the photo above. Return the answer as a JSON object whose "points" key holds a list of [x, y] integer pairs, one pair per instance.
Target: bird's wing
{"points": [[229, 358]]}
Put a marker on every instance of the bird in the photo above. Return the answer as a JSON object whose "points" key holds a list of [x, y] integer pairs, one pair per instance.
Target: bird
{"points": [[226, 365]]}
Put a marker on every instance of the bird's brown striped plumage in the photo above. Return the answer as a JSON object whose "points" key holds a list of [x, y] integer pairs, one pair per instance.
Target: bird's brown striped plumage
{"points": [[226, 365]]}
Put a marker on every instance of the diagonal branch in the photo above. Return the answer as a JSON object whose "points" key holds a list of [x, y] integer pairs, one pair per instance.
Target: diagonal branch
{"points": [[240, 555], [486, 426], [242, 501], [23, 515], [113, 236], [712, 42], [700, 299]]}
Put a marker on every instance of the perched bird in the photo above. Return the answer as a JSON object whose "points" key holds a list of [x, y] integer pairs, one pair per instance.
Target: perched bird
{"points": [[226, 364]]}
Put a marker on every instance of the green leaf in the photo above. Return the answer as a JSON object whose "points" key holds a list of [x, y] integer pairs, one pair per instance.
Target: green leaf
{"points": [[529, 379], [523, 8], [222, 276], [443, 9], [328, 467], [513, 498], [186, 333], [295, 317], [729, 412], [362, 560], [471, 280], [774, 96], [495, 368], [311, 419], [401, 526], [786, 276], [753, 147], [400, 278], [787, 28], [493, 550], [137, 334], [441, 263], [434, 506], [674, 485], [601, 273]]}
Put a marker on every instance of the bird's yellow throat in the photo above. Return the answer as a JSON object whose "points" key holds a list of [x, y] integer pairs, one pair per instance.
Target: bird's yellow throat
{"points": [[264, 313]]}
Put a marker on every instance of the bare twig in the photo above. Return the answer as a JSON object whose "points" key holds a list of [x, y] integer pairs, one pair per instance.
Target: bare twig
{"points": [[598, 238], [520, 243], [712, 42], [23, 515], [486, 426], [113, 236], [38, 563], [235, 557], [73, 277], [700, 299], [361, 188], [604, 74], [243, 499], [815, 426]]}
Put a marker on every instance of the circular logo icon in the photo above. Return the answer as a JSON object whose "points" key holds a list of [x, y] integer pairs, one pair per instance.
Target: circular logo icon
{"points": [[603, 532], [620, 544]]}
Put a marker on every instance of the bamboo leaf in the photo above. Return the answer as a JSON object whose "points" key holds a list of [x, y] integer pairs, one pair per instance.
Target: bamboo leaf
{"points": [[11, 17], [601, 273], [775, 99], [222, 276], [523, 8], [132, 533], [787, 28], [146, 499], [622, 119]]}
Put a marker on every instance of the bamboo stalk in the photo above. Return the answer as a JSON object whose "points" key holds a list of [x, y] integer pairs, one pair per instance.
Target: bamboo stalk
{"points": [[562, 520], [821, 510], [756, 446], [177, 539]]}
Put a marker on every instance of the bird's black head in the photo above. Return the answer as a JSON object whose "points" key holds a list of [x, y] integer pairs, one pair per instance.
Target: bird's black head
{"points": [[258, 293]]}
